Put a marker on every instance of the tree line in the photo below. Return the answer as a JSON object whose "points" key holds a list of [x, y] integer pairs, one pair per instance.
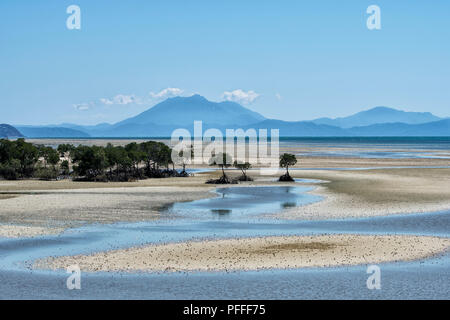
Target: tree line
{"points": [[21, 160], [150, 159], [224, 160]]}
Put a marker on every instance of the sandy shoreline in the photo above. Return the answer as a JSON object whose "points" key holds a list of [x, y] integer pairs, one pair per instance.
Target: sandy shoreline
{"points": [[32, 214], [33, 208], [370, 193], [346, 194], [285, 252], [18, 231]]}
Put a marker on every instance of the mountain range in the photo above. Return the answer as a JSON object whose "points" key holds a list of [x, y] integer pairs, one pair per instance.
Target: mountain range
{"points": [[51, 132], [379, 115], [7, 131], [181, 112]]}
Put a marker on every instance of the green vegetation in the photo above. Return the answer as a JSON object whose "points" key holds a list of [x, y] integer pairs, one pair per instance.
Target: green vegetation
{"points": [[287, 160], [221, 160], [185, 157], [17, 159], [20, 160], [243, 166]]}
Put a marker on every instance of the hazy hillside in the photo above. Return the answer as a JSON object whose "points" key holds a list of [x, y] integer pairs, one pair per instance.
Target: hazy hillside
{"points": [[379, 115], [300, 128], [308, 129], [97, 127], [436, 128], [137, 130], [52, 132], [7, 131]]}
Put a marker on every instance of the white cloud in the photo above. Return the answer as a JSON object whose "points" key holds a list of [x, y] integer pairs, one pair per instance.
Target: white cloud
{"points": [[279, 97], [82, 106], [240, 96], [106, 101], [166, 93], [120, 99]]}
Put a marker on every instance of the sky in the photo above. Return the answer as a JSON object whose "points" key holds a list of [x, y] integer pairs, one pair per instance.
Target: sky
{"points": [[290, 60]]}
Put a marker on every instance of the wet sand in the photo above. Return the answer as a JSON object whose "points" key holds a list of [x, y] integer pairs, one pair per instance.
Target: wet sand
{"points": [[359, 193], [61, 209], [17, 231], [32, 206], [368, 193], [257, 253]]}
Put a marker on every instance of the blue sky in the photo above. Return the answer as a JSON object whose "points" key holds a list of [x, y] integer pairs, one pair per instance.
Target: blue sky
{"points": [[290, 60]]}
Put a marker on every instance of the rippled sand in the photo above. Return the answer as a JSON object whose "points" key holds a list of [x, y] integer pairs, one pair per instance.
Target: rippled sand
{"points": [[258, 253]]}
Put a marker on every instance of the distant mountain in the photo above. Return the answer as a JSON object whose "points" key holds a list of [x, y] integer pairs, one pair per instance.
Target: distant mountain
{"points": [[310, 129], [51, 132], [92, 130], [299, 128], [159, 121], [7, 131], [286, 129], [138, 130], [379, 115], [183, 111], [97, 127], [436, 128]]}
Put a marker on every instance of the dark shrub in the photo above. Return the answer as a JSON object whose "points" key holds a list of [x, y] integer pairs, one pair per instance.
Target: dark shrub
{"points": [[222, 180], [65, 168], [8, 172], [46, 173], [244, 178], [286, 178]]}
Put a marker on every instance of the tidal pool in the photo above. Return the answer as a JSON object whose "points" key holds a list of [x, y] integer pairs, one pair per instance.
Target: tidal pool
{"points": [[235, 212], [244, 202]]}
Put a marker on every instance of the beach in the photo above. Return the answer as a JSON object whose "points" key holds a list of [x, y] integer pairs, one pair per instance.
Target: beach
{"points": [[58, 205], [257, 254], [51, 211], [341, 214], [368, 193], [342, 188]]}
